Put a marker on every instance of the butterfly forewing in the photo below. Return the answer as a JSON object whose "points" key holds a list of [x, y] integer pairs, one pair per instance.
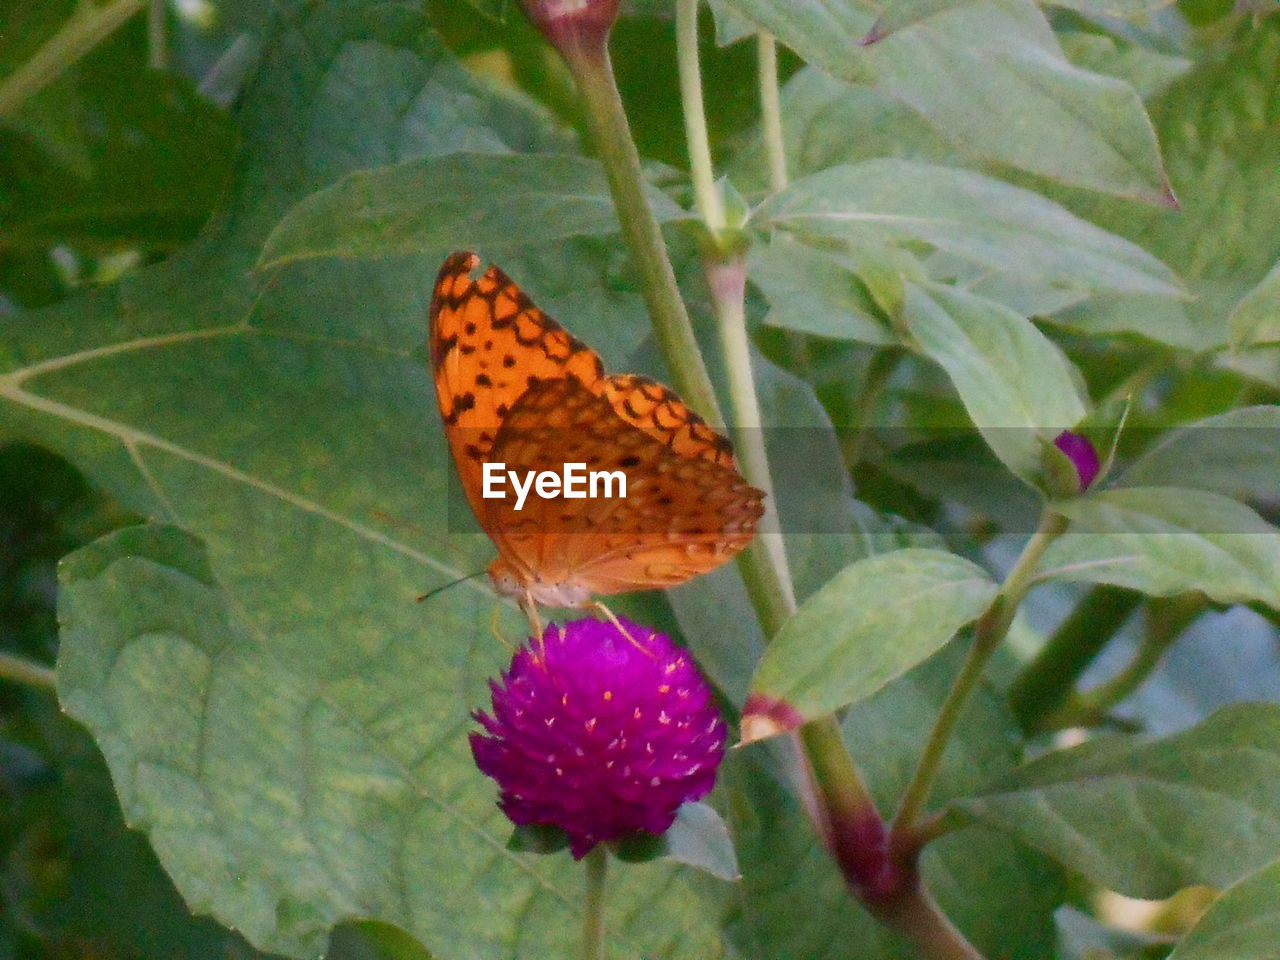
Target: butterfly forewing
{"points": [[488, 343]]}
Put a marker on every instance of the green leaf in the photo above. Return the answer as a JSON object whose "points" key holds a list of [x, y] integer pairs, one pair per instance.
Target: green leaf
{"points": [[111, 156], [1235, 453], [1074, 126], [289, 423], [1242, 924], [1256, 318], [537, 838], [903, 13], [1015, 384], [700, 839], [1148, 71], [286, 797], [814, 291], [464, 200], [818, 110], [1166, 540], [1220, 132], [870, 624], [982, 220], [1147, 818]]}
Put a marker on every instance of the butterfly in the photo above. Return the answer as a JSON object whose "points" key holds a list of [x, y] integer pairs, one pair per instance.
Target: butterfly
{"points": [[516, 388]]}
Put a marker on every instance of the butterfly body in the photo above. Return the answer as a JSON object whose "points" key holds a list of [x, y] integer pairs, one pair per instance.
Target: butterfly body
{"points": [[515, 388]]}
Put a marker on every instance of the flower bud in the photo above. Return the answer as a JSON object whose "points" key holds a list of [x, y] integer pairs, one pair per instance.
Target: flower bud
{"points": [[1082, 455], [599, 734], [573, 27]]}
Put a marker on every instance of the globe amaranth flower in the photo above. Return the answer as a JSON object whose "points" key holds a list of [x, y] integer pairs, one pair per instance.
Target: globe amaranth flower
{"points": [[1082, 456], [574, 27], [598, 733]]}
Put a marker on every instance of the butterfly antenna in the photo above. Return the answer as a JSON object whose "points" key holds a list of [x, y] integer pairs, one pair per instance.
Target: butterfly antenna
{"points": [[608, 614], [453, 583]]}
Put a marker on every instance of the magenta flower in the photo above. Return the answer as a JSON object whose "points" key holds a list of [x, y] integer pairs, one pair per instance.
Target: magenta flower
{"points": [[599, 736], [1081, 454], [574, 27]]}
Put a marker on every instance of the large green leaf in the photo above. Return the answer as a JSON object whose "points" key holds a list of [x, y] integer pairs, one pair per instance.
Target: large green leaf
{"points": [[1167, 540], [1235, 453], [1243, 924], [1219, 126], [1015, 384], [795, 905], [1073, 126], [977, 218], [288, 422], [1150, 817], [870, 624], [285, 798], [463, 200]]}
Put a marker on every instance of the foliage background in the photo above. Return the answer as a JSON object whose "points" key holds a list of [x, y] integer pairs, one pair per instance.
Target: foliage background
{"points": [[283, 724]]}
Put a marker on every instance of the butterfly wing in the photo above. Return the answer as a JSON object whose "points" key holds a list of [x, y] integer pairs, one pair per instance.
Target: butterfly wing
{"points": [[685, 511], [488, 343]]}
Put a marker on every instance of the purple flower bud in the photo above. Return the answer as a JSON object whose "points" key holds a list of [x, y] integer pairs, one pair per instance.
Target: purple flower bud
{"points": [[574, 27], [1081, 454], [599, 736]]}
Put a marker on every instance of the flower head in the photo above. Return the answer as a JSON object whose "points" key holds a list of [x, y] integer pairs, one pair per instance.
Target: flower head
{"points": [[599, 735], [574, 27], [1081, 454]]}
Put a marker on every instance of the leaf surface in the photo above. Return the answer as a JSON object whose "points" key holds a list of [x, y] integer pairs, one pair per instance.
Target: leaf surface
{"points": [[467, 200], [1147, 818], [870, 624]]}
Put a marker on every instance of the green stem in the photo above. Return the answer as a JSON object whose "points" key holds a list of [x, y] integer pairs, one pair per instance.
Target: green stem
{"points": [[1046, 682], [879, 371], [727, 279], [22, 670], [157, 41], [710, 203], [771, 111], [1166, 619], [640, 230], [88, 26], [597, 864], [989, 632]]}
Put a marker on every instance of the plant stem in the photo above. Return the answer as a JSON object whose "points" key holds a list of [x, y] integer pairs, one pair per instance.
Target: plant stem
{"points": [[989, 632], [597, 864], [87, 26], [771, 111], [1166, 619], [640, 231], [1048, 679], [726, 278], [157, 40], [21, 670], [710, 203], [916, 915]]}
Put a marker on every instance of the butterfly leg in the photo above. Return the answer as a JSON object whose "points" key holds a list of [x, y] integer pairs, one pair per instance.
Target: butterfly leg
{"points": [[530, 609], [496, 630], [598, 607]]}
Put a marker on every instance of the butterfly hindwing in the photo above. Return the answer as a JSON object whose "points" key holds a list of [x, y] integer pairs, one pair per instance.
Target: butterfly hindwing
{"points": [[682, 515]]}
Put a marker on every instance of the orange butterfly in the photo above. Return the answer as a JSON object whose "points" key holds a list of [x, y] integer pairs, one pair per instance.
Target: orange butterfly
{"points": [[515, 387]]}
